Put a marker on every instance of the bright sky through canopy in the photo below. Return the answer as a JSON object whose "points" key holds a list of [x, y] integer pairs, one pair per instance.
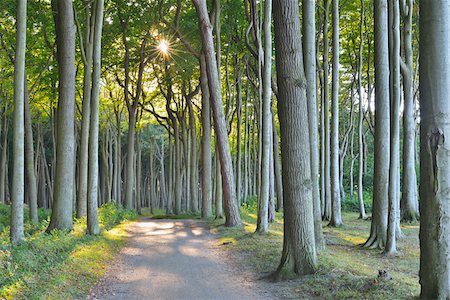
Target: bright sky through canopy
{"points": [[163, 48]]}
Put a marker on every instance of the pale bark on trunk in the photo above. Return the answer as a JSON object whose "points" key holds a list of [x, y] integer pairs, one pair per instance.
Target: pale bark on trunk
{"points": [[138, 170], [266, 130], [218, 199], [434, 68], [206, 143], [299, 251], [238, 135], [326, 112], [309, 57], [409, 202], [86, 112], [277, 166], [18, 183], [170, 198], [130, 174], [178, 170], [232, 216], [336, 219], [61, 217], [30, 166], [92, 199], [162, 176], [377, 238], [394, 65], [193, 157], [362, 211], [4, 158]]}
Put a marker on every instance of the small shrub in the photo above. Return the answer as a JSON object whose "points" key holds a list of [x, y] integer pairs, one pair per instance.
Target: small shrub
{"points": [[111, 214]]}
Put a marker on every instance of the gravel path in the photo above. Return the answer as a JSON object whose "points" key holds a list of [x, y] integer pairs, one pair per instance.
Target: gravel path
{"points": [[175, 259]]}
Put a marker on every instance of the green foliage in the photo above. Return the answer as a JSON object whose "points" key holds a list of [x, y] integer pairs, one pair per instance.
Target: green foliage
{"points": [[111, 214], [353, 205], [58, 265], [251, 205]]}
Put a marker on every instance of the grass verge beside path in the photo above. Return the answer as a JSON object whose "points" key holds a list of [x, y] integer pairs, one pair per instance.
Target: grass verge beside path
{"points": [[345, 270], [59, 265]]}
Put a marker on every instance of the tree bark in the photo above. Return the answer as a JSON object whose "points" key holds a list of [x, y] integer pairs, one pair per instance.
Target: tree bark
{"points": [[18, 180], [206, 143], [61, 217], [377, 238], [92, 200], [434, 85], [232, 216], [309, 57], [409, 202], [266, 130], [277, 166], [326, 112], [362, 211], [130, 177], [30, 166], [299, 251], [336, 219], [86, 111]]}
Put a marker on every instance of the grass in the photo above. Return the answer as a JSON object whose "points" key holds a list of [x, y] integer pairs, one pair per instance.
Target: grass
{"points": [[345, 269], [59, 265]]}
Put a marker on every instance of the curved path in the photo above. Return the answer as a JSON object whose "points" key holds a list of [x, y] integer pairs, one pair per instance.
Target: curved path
{"points": [[174, 259]]}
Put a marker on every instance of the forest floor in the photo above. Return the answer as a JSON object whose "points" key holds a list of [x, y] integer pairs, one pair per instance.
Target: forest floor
{"points": [[61, 265], [176, 259], [345, 269]]}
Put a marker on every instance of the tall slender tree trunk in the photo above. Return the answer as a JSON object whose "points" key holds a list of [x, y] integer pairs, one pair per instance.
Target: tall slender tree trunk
{"points": [[266, 130], [129, 183], [206, 143], [218, 192], [377, 238], [138, 170], [309, 57], [409, 202], [170, 198], [362, 212], [394, 64], [434, 68], [4, 157], [193, 156], [239, 134], [299, 251], [162, 176], [92, 201], [336, 219], [277, 166], [18, 184], [232, 216], [326, 112], [30, 166], [178, 170], [86, 112], [61, 217]]}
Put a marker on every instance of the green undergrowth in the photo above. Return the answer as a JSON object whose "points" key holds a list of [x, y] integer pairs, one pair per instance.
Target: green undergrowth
{"points": [[345, 269], [60, 265]]}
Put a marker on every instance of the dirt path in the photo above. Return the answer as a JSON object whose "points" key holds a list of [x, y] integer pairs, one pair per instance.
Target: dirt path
{"points": [[175, 259]]}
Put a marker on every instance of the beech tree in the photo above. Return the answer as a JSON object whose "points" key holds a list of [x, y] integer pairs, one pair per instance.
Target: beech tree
{"points": [[18, 180], [434, 156], [336, 219], [232, 217], [299, 251], [309, 54], [61, 217], [377, 238]]}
